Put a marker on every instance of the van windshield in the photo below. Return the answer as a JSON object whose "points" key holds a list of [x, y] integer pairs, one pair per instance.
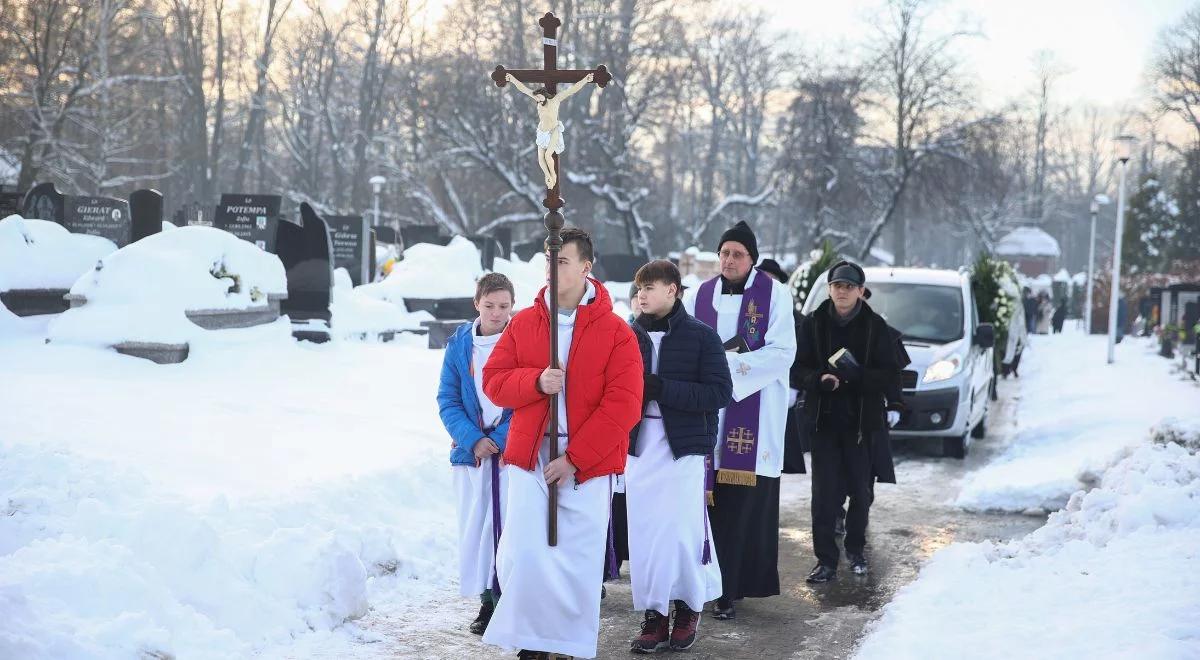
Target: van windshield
{"points": [[927, 313]]}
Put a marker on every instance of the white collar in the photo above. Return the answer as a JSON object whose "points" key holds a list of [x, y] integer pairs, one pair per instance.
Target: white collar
{"points": [[589, 295]]}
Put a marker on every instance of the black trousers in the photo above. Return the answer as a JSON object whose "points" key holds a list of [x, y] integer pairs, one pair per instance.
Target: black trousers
{"points": [[841, 468]]}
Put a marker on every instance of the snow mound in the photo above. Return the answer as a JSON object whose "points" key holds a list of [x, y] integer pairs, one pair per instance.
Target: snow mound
{"points": [[140, 293], [38, 254], [1066, 440], [355, 313], [431, 271], [527, 277], [94, 562], [1115, 574]]}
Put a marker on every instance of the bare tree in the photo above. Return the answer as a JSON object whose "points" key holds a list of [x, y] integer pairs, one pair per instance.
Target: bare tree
{"points": [[922, 95]]}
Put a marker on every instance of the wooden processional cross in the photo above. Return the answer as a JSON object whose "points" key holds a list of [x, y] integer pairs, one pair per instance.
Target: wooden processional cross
{"points": [[549, 76]]}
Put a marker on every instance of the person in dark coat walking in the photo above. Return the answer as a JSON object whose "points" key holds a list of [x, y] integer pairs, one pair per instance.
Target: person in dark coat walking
{"points": [[686, 384], [846, 405]]}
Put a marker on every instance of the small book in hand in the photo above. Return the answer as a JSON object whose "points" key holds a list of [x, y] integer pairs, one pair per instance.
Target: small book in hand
{"points": [[843, 359], [737, 344]]}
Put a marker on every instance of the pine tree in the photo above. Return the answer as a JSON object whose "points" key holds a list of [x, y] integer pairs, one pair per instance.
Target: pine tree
{"points": [[1150, 227], [1185, 244]]}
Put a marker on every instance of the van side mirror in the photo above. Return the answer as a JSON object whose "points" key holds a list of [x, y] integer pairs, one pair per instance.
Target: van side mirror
{"points": [[985, 335]]}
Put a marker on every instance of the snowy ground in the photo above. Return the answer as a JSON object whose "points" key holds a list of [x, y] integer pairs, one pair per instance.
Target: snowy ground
{"points": [[248, 500], [1114, 574], [282, 500]]}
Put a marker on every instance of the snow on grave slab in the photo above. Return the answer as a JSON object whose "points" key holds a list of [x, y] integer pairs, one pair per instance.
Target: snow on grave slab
{"points": [[144, 293], [1076, 416], [1116, 574], [430, 271], [359, 316], [41, 259], [305, 484]]}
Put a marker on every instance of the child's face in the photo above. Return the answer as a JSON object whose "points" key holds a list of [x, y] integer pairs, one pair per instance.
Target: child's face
{"points": [[656, 298]]}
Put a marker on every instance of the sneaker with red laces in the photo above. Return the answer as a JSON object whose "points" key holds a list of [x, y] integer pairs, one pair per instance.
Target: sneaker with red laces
{"points": [[683, 634], [656, 634]]}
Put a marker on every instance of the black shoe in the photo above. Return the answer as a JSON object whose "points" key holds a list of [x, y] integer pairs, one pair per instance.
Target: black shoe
{"points": [[480, 624], [603, 592], [839, 527], [723, 610], [858, 562], [821, 574], [532, 655]]}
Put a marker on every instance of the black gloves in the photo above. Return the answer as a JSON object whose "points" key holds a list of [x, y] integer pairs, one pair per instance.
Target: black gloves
{"points": [[651, 387]]}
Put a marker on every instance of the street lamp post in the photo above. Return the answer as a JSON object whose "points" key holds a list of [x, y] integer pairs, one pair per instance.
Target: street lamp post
{"points": [[1124, 152], [377, 182], [1091, 271]]}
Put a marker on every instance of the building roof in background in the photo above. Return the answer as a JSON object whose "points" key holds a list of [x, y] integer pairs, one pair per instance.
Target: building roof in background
{"points": [[1028, 242]]}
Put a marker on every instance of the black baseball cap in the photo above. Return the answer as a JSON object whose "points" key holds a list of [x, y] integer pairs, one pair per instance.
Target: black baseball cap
{"points": [[846, 271]]}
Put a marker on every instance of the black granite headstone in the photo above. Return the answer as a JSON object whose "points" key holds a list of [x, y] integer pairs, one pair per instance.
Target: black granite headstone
{"points": [[374, 262], [414, 234], [619, 267], [250, 217], [11, 203], [488, 250], [99, 216], [525, 251], [385, 234], [305, 251], [351, 237], [146, 207], [503, 235], [44, 202]]}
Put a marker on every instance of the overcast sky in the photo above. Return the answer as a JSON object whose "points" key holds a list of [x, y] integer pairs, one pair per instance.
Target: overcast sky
{"points": [[1104, 45]]}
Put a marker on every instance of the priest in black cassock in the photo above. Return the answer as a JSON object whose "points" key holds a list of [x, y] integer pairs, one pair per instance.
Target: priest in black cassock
{"points": [[752, 312]]}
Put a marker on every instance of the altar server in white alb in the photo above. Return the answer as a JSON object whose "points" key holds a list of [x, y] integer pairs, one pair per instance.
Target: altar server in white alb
{"points": [[478, 429], [752, 312], [550, 605], [686, 383]]}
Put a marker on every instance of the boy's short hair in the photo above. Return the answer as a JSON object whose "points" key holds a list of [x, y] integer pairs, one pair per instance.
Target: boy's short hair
{"points": [[659, 270], [582, 241], [491, 283]]}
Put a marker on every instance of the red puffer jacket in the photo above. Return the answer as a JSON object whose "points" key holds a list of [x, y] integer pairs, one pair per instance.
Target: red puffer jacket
{"points": [[604, 381]]}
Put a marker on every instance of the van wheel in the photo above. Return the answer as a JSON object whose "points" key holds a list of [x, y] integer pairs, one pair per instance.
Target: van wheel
{"points": [[956, 447], [980, 429]]}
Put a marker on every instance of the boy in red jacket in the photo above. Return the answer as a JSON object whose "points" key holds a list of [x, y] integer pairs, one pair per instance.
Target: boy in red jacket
{"points": [[550, 605]]}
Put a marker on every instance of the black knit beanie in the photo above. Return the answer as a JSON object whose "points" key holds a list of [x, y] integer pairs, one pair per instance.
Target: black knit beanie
{"points": [[741, 233]]}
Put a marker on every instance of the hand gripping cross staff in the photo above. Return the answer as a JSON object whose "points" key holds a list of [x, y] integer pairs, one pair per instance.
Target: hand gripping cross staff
{"points": [[550, 144]]}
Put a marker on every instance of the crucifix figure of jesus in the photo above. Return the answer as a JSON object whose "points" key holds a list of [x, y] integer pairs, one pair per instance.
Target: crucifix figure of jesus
{"points": [[550, 141]]}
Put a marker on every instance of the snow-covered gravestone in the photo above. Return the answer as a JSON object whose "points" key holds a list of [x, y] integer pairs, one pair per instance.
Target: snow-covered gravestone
{"points": [[40, 260], [250, 217], [159, 297]]}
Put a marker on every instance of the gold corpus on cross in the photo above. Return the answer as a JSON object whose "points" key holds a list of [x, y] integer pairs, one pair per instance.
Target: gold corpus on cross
{"points": [[740, 440]]}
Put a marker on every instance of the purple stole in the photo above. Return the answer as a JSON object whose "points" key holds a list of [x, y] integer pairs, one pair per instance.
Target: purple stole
{"points": [[739, 435]]}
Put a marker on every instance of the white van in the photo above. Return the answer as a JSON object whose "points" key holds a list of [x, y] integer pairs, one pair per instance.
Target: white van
{"points": [[947, 386]]}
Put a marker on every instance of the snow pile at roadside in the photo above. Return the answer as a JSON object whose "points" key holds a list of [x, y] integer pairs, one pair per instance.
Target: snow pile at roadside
{"points": [[140, 293], [38, 254], [1076, 416], [247, 500], [1115, 574]]}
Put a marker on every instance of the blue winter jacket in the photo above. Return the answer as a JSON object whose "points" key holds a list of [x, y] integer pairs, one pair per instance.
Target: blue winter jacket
{"points": [[695, 382], [458, 404]]}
